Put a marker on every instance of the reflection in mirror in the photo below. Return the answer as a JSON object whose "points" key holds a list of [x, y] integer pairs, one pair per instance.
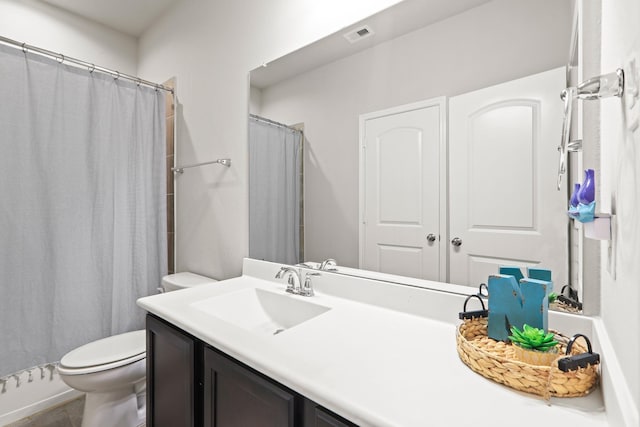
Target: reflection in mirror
{"points": [[275, 191], [443, 122]]}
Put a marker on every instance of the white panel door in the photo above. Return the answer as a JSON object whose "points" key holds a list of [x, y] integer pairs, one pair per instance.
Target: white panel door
{"points": [[504, 204], [400, 190]]}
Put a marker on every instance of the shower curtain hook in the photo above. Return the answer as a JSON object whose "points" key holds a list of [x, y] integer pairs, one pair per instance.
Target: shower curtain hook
{"points": [[24, 48], [138, 81], [117, 75], [92, 68], [52, 368], [60, 58], [16, 377]]}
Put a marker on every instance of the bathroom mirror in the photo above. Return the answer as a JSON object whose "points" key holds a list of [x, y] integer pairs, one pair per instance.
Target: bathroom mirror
{"points": [[414, 51]]}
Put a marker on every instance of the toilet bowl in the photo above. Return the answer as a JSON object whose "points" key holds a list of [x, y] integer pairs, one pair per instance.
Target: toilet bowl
{"points": [[111, 371], [108, 371]]}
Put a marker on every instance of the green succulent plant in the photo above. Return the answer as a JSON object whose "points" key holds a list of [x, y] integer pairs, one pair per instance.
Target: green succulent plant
{"points": [[552, 297], [532, 338]]}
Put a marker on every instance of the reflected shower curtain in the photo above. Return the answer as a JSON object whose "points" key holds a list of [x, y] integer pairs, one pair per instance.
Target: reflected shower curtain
{"points": [[274, 192], [83, 210]]}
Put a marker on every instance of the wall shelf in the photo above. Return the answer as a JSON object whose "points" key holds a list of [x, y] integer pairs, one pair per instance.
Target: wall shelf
{"points": [[599, 228]]}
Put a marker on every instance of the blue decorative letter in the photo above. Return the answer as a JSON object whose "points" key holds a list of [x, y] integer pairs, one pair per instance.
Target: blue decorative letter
{"points": [[514, 304], [539, 274]]}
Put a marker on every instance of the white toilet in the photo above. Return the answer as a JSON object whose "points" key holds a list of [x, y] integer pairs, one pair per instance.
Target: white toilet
{"points": [[112, 371]]}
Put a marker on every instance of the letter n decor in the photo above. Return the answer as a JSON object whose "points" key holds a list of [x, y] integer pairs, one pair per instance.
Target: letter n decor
{"points": [[514, 304]]}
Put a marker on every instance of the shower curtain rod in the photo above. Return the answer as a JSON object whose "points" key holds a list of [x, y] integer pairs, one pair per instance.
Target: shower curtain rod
{"points": [[91, 67], [272, 122]]}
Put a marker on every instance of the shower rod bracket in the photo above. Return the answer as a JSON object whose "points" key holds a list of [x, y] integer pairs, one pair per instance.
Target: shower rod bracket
{"points": [[179, 170]]}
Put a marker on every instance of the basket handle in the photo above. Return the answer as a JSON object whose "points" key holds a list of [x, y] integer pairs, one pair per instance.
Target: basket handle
{"points": [[582, 360], [481, 287], [573, 339], [471, 314]]}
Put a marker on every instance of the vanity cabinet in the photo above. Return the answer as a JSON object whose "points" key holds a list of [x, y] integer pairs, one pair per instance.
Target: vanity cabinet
{"points": [[173, 372], [235, 396], [190, 383], [317, 416]]}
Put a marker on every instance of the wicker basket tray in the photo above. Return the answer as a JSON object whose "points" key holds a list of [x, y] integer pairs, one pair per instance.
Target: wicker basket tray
{"points": [[496, 360]]}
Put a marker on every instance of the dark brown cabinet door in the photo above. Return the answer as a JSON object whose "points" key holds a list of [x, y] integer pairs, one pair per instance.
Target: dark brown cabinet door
{"points": [[317, 416], [234, 396], [171, 376]]}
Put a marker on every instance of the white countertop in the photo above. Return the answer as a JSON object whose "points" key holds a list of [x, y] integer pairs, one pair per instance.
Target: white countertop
{"points": [[373, 365]]}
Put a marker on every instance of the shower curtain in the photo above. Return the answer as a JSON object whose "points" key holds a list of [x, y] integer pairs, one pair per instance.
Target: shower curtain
{"points": [[274, 192], [83, 210]]}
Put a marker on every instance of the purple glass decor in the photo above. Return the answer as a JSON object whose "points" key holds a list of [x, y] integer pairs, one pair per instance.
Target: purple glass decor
{"points": [[573, 202], [587, 192], [582, 205]]}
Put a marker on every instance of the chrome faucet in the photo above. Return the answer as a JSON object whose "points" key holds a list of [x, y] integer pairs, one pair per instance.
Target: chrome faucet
{"points": [[328, 264], [294, 284]]}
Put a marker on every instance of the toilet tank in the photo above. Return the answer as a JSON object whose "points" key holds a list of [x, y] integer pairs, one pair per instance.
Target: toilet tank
{"points": [[173, 282]]}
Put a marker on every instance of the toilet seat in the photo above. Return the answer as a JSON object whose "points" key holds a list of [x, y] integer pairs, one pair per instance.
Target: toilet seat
{"points": [[107, 353]]}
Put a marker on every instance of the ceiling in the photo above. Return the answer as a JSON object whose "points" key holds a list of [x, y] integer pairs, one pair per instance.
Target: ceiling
{"points": [[133, 17], [400, 19], [128, 16]]}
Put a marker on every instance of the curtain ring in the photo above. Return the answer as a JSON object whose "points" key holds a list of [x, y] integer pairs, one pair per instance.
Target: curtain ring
{"points": [[60, 58], [24, 48], [138, 81], [92, 68], [117, 75]]}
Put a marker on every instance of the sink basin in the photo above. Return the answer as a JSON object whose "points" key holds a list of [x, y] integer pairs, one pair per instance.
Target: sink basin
{"points": [[260, 311]]}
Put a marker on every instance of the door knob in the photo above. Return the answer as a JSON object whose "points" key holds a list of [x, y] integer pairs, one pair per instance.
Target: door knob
{"points": [[456, 241], [431, 237]]}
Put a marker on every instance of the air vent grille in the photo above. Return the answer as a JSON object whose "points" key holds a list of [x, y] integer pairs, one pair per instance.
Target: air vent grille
{"points": [[359, 33]]}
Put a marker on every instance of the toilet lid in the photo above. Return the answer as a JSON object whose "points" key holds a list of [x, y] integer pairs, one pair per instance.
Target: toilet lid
{"points": [[186, 280], [106, 350]]}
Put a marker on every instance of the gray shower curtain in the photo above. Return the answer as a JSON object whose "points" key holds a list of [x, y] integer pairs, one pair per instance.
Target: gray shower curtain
{"points": [[274, 192], [83, 209]]}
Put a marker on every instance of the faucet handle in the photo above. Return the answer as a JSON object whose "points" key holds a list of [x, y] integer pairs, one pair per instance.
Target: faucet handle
{"points": [[307, 288]]}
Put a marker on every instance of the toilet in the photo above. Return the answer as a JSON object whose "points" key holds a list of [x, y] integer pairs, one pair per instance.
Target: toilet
{"points": [[111, 371]]}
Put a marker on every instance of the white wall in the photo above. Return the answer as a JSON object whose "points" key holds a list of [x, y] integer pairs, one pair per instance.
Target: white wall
{"points": [[496, 42], [42, 25], [210, 47], [620, 193]]}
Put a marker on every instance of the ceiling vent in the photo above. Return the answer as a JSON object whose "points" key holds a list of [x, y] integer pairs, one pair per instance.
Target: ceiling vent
{"points": [[359, 33]]}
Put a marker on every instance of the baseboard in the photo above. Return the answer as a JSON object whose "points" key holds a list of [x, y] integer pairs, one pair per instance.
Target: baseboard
{"points": [[22, 399]]}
